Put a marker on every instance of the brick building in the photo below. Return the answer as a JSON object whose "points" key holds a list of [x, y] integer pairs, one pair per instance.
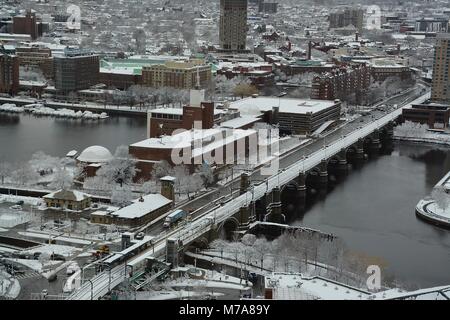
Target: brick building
{"points": [[194, 147], [9, 73], [435, 115], [383, 69], [27, 24], [340, 83], [36, 57]]}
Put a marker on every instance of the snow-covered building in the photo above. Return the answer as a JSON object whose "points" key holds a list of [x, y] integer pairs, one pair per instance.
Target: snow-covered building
{"points": [[294, 116], [292, 286], [140, 212], [68, 199], [92, 158], [193, 148], [95, 154]]}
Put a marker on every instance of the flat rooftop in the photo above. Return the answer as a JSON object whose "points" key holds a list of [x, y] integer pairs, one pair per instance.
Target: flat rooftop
{"points": [[178, 111], [209, 137], [139, 209], [287, 105]]}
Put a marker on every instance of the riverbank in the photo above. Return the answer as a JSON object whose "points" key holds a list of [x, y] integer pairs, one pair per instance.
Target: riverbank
{"points": [[86, 106]]}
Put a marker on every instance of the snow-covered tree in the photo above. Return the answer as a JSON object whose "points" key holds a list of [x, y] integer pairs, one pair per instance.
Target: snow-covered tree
{"points": [[122, 196], [161, 169], [121, 169], [25, 175], [206, 173], [44, 163], [62, 179], [225, 86], [245, 90], [31, 74], [152, 186], [5, 170]]}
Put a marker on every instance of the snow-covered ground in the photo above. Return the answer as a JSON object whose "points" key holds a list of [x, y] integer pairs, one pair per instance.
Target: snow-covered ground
{"points": [[65, 251], [35, 265], [209, 279], [64, 239], [10, 220], [27, 200], [173, 295], [9, 287], [3, 230]]}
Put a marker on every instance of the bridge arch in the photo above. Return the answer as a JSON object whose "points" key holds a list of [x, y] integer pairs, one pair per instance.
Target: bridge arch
{"points": [[228, 227]]}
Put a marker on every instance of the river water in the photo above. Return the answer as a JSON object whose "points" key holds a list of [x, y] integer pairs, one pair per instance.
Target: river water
{"points": [[372, 210], [22, 135]]}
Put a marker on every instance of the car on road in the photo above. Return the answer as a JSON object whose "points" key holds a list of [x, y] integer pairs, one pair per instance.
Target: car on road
{"points": [[140, 236]]}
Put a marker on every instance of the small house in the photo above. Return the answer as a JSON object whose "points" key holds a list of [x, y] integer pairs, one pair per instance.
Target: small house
{"points": [[68, 199]]}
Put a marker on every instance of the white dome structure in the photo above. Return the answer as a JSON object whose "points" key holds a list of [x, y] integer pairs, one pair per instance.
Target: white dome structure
{"points": [[95, 154]]}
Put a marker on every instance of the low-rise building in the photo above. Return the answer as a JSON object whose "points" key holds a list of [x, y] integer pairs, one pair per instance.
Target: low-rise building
{"points": [[175, 74], [381, 69], [140, 212], [435, 115], [68, 200], [294, 116], [36, 57]]}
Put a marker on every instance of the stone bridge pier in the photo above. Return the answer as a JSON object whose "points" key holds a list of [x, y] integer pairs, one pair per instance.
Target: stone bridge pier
{"points": [[375, 143], [274, 209]]}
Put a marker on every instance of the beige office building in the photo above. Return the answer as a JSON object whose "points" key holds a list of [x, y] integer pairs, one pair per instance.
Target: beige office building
{"points": [[441, 84], [177, 74]]}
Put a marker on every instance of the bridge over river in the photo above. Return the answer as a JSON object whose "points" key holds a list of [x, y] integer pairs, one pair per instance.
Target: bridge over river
{"points": [[343, 146]]}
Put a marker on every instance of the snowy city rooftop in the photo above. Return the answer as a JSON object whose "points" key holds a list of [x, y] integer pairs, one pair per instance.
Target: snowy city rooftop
{"points": [[138, 209], [264, 104]]}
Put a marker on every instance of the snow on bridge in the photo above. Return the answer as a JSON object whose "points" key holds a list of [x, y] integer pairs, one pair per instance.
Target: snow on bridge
{"points": [[191, 231]]}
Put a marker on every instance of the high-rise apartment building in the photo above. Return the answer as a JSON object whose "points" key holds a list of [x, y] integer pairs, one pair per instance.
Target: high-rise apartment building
{"points": [[441, 84], [233, 25], [347, 17], [76, 70], [27, 24], [9, 73]]}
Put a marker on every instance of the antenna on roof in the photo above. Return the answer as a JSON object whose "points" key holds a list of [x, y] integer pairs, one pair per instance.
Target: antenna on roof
{"points": [[197, 86]]}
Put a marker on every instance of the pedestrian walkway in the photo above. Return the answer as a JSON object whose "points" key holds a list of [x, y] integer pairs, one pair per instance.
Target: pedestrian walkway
{"points": [[28, 275]]}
